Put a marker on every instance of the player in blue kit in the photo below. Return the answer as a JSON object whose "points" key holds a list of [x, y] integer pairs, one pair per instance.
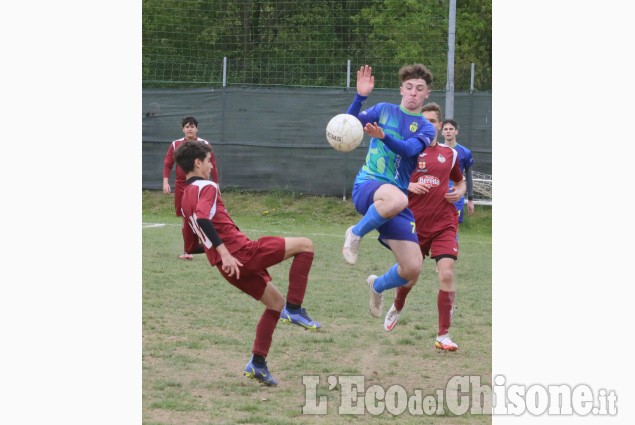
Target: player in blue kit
{"points": [[399, 133], [450, 130]]}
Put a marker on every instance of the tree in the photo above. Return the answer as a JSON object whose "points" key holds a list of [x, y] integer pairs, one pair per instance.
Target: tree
{"points": [[474, 42], [274, 42]]}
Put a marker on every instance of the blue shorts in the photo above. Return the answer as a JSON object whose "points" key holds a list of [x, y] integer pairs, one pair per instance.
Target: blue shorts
{"points": [[460, 207], [401, 227]]}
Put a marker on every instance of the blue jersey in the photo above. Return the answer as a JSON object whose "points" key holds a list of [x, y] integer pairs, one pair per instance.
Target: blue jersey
{"points": [[413, 132], [465, 160]]}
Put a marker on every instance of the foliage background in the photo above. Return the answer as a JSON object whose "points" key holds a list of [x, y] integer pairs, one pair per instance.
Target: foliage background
{"points": [[308, 43]]}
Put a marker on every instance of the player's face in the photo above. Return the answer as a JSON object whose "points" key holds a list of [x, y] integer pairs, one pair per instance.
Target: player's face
{"points": [[206, 167], [413, 93], [449, 132], [189, 130], [433, 117]]}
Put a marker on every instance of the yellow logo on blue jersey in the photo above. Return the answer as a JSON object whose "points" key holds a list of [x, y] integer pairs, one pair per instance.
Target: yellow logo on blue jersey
{"points": [[413, 127]]}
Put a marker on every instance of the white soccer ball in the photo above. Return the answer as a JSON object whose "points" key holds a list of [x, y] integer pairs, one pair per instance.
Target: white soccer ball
{"points": [[344, 132]]}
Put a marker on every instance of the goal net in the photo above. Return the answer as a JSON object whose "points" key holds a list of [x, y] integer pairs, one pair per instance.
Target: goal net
{"points": [[482, 188]]}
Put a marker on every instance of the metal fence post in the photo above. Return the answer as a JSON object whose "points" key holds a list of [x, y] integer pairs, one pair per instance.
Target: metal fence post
{"points": [[224, 71], [449, 88]]}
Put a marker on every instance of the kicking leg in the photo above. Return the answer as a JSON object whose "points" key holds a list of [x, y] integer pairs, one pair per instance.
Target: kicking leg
{"points": [[405, 271], [388, 201], [301, 249]]}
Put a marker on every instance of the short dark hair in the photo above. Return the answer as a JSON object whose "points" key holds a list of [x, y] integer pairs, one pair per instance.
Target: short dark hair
{"points": [[189, 120], [417, 70], [188, 152], [452, 122]]}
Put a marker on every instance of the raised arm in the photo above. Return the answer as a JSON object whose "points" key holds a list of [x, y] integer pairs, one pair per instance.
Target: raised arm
{"points": [[365, 81], [365, 85]]}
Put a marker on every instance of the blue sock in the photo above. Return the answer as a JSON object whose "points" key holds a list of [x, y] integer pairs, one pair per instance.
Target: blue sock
{"points": [[370, 221], [389, 280]]}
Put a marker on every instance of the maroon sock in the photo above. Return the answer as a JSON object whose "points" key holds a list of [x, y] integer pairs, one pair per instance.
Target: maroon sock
{"points": [[299, 276], [445, 303], [264, 332], [400, 297]]}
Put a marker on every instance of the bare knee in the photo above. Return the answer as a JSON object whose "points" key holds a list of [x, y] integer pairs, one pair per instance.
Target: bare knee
{"points": [[272, 298], [401, 202], [307, 245], [446, 276], [395, 205], [277, 303], [409, 258], [410, 270], [390, 201], [295, 245]]}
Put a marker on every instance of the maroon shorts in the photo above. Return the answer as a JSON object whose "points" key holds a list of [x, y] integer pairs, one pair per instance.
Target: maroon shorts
{"points": [[442, 242], [256, 256]]}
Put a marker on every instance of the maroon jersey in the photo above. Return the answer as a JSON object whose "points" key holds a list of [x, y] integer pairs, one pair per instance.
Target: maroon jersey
{"points": [[168, 163], [202, 200], [436, 165]]}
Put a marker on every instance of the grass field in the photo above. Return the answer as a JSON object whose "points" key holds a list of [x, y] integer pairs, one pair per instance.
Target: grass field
{"points": [[198, 330]]}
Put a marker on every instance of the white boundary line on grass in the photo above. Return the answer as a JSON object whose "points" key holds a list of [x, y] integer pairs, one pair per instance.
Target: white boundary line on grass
{"points": [[154, 225], [275, 232]]}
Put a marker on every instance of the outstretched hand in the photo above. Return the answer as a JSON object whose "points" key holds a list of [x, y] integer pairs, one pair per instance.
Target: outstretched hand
{"points": [[373, 130], [365, 81]]}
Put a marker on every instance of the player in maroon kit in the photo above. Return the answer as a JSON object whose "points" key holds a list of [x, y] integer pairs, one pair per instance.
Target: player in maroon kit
{"points": [[436, 222], [241, 261], [190, 130]]}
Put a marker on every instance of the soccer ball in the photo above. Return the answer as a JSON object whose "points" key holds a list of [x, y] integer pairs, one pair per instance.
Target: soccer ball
{"points": [[344, 132]]}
